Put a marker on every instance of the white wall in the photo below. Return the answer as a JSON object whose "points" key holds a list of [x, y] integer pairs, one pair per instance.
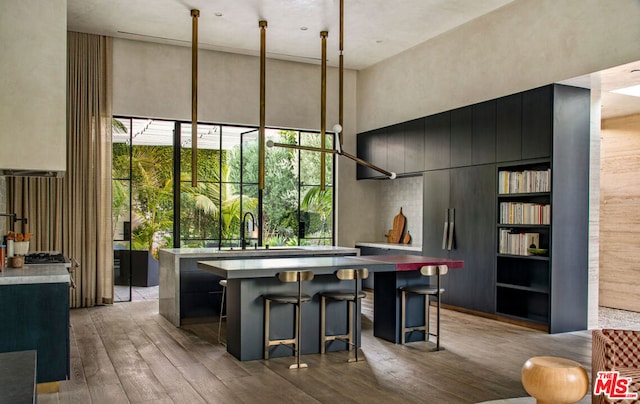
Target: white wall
{"points": [[33, 72], [526, 44]]}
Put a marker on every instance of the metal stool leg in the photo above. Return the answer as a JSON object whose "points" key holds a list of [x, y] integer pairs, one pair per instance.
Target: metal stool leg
{"points": [[354, 329], [224, 290], [298, 365], [323, 325], [403, 311], [427, 316], [267, 305]]}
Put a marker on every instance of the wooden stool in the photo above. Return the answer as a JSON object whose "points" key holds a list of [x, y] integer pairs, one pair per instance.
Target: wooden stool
{"points": [[554, 380], [353, 302], [427, 291], [296, 300]]}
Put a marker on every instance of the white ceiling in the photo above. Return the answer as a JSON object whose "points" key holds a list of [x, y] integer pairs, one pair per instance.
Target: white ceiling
{"points": [[374, 30]]}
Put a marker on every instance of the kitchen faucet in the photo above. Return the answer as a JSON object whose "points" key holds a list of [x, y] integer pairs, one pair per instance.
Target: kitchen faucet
{"points": [[243, 240], [15, 217]]}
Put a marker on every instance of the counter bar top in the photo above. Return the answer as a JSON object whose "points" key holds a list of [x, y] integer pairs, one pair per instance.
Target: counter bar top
{"points": [[236, 252], [405, 262], [40, 273], [264, 268], [389, 246]]}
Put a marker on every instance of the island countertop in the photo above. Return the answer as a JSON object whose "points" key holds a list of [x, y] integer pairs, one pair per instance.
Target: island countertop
{"points": [[258, 252], [264, 268], [38, 273]]}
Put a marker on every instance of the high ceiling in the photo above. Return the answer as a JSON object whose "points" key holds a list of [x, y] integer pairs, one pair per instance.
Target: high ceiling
{"points": [[374, 30]]}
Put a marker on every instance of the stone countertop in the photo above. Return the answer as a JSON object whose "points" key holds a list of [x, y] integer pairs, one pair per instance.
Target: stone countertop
{"points": [[258, 252], [269, 267], [30, 274], [389, 246]]}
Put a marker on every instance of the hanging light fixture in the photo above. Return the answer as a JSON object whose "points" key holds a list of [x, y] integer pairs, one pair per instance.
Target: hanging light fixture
{"points": [[261, 130], [323, 107], [338, 128], [194, 97]]}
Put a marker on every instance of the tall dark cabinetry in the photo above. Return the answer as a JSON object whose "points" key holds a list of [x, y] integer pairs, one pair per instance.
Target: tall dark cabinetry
{"points": [[465, 150], [459, 197]]}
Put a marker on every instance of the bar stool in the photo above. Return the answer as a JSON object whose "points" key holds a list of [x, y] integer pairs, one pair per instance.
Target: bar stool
{"points": [[427, 291], [222, 283], [353, 299], [296, 300]]}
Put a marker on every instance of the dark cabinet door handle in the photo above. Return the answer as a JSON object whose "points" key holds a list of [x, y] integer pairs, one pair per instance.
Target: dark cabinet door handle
{"points": [[452, 222], [446, 230]]}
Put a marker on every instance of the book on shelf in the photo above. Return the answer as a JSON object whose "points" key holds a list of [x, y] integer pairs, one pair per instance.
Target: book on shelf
{"points": [[526, 181], [517, 243], [524, 213]]}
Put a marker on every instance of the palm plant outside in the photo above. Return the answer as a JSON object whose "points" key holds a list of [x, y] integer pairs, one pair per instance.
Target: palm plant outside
{"points": [[214, 207]]}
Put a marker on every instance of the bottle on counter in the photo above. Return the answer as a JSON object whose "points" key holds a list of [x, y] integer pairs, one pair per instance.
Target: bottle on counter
{"points": [[3, 257], [9, 247]]}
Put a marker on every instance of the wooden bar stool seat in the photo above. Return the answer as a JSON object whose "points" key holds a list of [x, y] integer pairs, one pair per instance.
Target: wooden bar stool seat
{"points": [[352, 297], [427, 291], [296, 300]]}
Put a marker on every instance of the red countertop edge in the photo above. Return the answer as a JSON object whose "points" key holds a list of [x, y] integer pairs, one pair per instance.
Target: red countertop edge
{"points": [[405, 262]]}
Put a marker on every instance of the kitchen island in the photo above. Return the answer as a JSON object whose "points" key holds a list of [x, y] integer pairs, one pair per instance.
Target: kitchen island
{"points": [[35, 316], [189, 292], [248, 280]]}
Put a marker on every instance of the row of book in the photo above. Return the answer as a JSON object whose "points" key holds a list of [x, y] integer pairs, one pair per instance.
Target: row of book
{"points": [[517, 243], [517, 182], [524, 213]]}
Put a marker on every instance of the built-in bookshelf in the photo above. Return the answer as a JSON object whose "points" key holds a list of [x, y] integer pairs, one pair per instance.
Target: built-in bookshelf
{"points": [[524, 222]]}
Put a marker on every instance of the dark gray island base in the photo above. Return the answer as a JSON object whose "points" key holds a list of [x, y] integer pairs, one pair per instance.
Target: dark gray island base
{"points": [[249, 279]]}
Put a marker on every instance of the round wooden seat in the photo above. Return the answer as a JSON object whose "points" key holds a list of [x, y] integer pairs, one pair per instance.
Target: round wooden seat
{"points": [[343, 295], [287, 299], [554, 380]]}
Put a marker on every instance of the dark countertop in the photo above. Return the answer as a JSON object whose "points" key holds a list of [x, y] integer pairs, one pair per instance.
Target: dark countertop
{"points": [[389, 246]]}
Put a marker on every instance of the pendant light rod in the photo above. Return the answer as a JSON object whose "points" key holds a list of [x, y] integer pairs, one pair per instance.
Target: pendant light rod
{"points": [[194, 97], [261, 131], [323, 107], [341, 76], [299, 147]]}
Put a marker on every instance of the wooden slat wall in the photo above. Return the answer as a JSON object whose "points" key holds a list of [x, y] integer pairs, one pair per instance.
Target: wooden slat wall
{"points": [[620, 213]]}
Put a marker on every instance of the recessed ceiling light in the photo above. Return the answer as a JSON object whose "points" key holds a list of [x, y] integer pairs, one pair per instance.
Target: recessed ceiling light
{"points": [[218, 14], [303, 28], [379, 41], [633, 90]]}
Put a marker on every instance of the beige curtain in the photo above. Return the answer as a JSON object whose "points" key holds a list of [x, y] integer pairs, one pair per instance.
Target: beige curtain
{"points": [[73, 214], [87, 183]]}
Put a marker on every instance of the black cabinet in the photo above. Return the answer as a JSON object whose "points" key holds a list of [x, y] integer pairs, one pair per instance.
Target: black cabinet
{"points": [[483, 136], [509, 128], [437, 141], [551, 290], [36, 316], [414, 138], [460, 198], [395, 150], [461, 144], [372, 146]]}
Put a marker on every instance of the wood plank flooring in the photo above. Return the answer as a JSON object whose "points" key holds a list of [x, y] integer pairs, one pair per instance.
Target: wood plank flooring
{"points": [[128, 353]]}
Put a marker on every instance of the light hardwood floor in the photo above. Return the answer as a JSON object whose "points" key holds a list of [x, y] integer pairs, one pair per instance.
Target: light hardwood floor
{"points": [[129, 353]]}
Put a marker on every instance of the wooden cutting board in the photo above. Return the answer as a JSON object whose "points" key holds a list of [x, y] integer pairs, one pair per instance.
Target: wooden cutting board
{"points": [[394, 235]]}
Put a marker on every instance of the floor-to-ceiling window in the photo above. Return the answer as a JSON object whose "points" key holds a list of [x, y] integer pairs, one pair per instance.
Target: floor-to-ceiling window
{"points": [[156, 206]]}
